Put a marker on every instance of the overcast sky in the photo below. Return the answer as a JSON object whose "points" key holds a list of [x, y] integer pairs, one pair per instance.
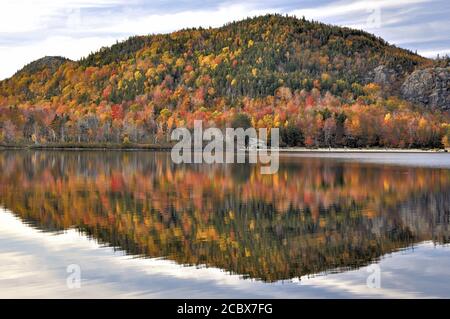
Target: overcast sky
{"points": [[30, 29]]}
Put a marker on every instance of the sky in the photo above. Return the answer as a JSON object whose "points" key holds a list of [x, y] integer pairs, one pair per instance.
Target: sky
{"points": [[31, 29]]}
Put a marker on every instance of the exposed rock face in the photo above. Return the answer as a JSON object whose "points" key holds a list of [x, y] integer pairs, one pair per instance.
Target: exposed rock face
{"points": [[428, 87], [384, 76]]}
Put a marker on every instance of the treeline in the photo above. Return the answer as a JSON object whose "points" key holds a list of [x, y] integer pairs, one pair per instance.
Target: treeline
{"points": [[304, 119]]}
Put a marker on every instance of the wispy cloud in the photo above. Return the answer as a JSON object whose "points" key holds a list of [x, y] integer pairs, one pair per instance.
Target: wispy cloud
{"points": [[342, 8]]}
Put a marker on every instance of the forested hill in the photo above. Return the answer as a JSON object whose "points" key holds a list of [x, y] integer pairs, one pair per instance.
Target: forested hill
{"points": [[251, 58], [312, 80], [262, 54]]}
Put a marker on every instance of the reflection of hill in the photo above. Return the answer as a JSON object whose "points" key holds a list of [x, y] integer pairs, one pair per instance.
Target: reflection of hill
{"points": [[312, 216]]}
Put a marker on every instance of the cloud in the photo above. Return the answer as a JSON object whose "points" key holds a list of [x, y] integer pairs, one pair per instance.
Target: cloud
{"points": [[435, 53], [342, 8], [27, 16], [161, 23], [13, 58]]}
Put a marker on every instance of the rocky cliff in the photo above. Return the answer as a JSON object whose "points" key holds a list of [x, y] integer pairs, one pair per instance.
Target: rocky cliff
{"points": [[428, 87]]}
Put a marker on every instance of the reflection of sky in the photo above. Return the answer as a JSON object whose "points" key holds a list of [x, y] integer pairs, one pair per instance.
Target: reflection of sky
{"points": [[401, 158], [30, 29], [34, 265]]}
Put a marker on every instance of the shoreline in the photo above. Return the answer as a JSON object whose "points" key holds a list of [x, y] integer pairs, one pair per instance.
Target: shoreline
{"points": [[360, 150], [89, 147], [168, 147]]}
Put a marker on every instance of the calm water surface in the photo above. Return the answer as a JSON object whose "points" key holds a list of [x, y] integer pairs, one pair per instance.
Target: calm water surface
{"points": [[140, 226]]}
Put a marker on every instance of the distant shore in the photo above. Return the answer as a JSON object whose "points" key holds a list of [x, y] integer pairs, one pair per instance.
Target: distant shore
{"points": [[359, 150], [168, 147], [89, 146]]}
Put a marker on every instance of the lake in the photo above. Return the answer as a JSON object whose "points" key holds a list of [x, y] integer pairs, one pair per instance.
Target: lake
{"points": [[137, 225]]}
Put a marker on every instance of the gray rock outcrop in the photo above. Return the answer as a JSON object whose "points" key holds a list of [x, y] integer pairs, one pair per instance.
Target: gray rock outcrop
{"points": [[384, 76], [428, 87]]}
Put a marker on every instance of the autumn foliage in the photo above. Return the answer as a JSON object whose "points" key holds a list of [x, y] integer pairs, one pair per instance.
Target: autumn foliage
{"points": [[307, 78]]}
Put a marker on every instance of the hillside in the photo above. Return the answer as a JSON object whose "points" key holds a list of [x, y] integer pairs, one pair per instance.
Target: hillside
{"points": [[322, 85]]}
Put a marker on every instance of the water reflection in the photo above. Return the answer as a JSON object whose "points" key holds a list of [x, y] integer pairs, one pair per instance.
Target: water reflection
{"points": [[315, 215]]}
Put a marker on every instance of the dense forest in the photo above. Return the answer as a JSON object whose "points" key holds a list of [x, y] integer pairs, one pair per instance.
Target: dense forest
{"points": [[314, 81]]}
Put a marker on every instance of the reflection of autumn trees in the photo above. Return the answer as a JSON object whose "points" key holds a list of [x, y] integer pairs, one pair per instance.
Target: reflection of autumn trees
{"points": [[312, 216]]}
